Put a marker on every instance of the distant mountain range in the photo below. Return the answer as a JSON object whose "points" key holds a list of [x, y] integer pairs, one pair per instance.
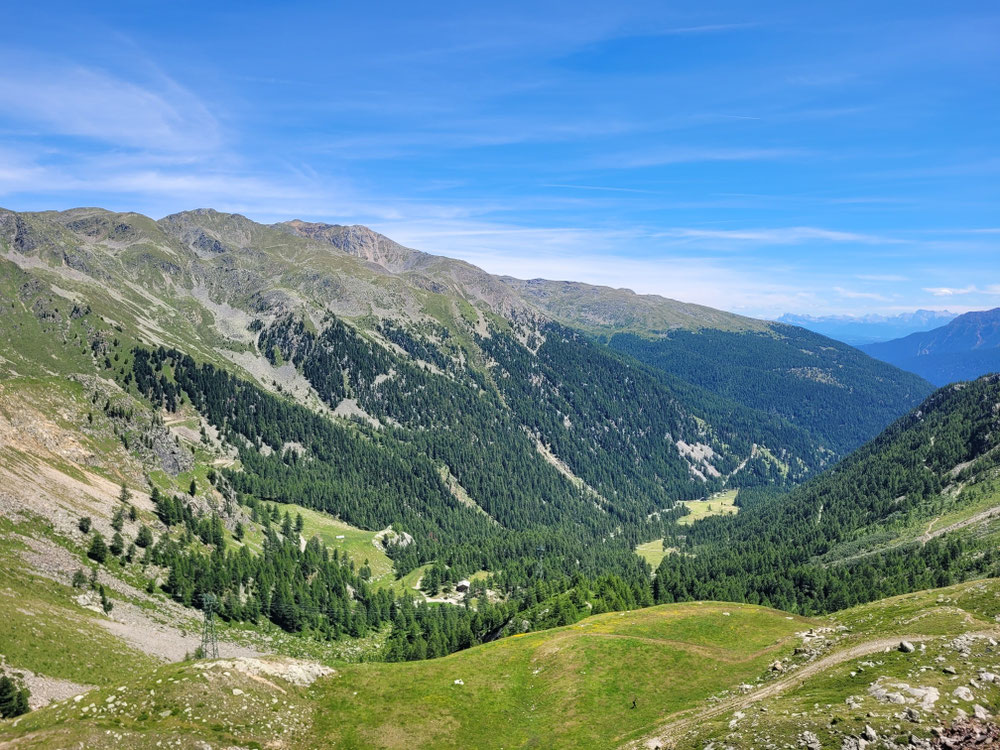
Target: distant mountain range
{"points": [[965, 348], [869, 329]]}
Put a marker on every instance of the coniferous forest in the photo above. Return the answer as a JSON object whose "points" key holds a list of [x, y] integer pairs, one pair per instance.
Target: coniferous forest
{"points": [[557, 546]]}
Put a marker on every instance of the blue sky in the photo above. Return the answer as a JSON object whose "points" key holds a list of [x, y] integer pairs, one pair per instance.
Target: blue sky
{"points": [[759, 157]]}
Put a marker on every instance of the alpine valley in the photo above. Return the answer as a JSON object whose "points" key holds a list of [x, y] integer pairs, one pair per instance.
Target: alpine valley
{"points": [[413, 500]]}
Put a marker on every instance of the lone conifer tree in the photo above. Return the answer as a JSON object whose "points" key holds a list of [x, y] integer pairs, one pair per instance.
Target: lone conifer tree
{"points": [[98, 551], [13, 700]]}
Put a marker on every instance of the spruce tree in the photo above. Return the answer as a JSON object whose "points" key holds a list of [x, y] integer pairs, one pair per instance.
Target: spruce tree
{"points": [[13, 700], [145, 537], [117, 544], [98, 551]]}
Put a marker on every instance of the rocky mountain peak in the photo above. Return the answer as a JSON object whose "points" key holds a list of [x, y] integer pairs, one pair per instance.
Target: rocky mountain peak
{"points": [[361, 242]]}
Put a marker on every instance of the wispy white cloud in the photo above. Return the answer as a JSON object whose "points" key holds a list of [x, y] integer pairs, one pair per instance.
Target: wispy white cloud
{"points": [[653, 157], [73, 100], [601, 256], [948, 291], [778, 235], [884, 277], [854, 294]]}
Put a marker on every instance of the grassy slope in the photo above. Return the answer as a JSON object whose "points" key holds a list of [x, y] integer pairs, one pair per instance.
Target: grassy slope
{"points": [[820, 703], [45, 631], [573, 687], [973, 509], [356, 543], [652, 552], [57, 466], [568, 687]]}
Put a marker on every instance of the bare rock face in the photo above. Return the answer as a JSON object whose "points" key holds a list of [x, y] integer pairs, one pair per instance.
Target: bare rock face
{"points": [[361, 242], [14, 229]]}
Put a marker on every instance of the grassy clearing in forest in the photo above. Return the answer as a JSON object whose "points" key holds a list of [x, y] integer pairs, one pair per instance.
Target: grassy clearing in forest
{"points": [[722, 503], [652, 552]]}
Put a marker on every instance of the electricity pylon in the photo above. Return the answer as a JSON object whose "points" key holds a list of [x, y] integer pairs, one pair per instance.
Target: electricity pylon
{"points": [[209, 643]]}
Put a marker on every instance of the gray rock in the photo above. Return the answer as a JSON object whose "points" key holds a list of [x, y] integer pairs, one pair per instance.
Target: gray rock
{"points": [[964, 694], [810, 741], [869, 734], [906, 647]]}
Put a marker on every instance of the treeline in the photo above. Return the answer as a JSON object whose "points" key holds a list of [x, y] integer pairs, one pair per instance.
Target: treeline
{"points": [[307, 588], [617, 422]]}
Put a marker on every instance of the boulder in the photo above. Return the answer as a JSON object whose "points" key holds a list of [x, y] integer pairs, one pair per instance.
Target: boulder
{"points": [[963, 693], [810, 741]]}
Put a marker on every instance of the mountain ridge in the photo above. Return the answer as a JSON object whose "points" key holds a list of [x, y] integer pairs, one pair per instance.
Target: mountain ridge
{"points": [[869, 329], [964, 348], [204, 408], [439, 406]]}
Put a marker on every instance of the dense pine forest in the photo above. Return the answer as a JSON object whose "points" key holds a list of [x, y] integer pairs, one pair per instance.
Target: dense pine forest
{"points": [[552, 564], [556, 548], [787, 372], [815, 549]]}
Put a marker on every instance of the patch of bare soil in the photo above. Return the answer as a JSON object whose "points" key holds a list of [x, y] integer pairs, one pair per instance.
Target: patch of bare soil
{"points": [[158, 627], [294, 671], [45, 690]]}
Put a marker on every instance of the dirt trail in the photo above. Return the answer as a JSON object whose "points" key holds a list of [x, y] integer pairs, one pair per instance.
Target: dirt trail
{"points": [[984, 515], [666, 735], [970, 521]]}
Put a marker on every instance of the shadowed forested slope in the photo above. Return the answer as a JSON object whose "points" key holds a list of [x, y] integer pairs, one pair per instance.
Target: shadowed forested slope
{"points": [[841, 538], [828, 389]]}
